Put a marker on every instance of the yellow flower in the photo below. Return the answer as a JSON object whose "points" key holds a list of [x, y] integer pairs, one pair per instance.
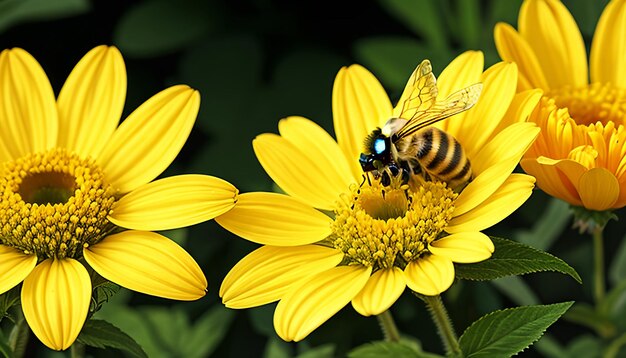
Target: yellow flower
{"points": [[72, 181], [336, 239], [580, 156]]}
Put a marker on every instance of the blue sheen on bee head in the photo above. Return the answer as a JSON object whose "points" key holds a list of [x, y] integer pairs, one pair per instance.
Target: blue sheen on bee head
{"points": [[379, 146]]}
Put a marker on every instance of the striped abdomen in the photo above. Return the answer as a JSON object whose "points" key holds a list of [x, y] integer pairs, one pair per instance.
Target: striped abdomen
{"points": [[441, 156]]}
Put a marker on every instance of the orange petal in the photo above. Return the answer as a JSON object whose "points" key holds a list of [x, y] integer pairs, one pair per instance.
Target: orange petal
{"points": [[598, 189]]}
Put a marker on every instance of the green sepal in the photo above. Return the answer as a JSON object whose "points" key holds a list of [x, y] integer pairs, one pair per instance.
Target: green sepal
{"points": [[102, 334], [512, 258], [507, 332]]}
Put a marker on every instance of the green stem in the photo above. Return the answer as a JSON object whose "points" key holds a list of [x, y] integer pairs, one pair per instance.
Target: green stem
{"points": [[77, 350], [18, 338], [388, 326], [613, 349], [598, 258], [440, 316]]}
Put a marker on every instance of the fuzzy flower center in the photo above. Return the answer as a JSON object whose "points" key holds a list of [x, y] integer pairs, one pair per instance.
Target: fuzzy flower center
{"points": [[597, 102], [381, 227], [53, 204]]}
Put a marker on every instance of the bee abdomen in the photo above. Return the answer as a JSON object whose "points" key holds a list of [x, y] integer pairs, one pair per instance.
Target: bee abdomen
{"points": [[443, 157]]}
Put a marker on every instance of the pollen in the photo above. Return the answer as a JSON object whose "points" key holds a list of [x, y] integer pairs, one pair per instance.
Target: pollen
{"points": [[382, 227], [597, 102], [53, 204]]}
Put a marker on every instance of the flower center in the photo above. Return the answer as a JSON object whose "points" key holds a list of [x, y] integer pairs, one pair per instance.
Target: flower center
{"points": [[53, 203], [382, 226], [594, 103]]}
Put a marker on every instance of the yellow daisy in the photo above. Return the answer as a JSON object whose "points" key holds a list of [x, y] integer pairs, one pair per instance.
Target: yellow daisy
{"points": [[580, 156], [72, 182], [335, 238]]}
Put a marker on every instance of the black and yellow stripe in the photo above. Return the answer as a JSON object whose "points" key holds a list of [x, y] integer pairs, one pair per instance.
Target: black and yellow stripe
{"points": [[442, 157]]}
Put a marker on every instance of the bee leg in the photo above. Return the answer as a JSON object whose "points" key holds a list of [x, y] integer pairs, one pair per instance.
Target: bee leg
{"points": [[385, 179]]}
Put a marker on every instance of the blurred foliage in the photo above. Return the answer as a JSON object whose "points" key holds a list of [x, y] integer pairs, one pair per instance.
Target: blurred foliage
{"points": [[255, 62]]}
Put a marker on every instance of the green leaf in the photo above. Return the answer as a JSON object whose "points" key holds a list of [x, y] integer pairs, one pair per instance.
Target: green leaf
{"points": [[8, 300], [159, 27], [393, 59], [512, 258], [207, 332], [617, 271], [5, 349], [510, 331], [13, 12], [421, 16], [383, 349], [548, 227], [323, 351], [586, 315], [516, 290], [466, 21], [102, 334], [276, 348]]}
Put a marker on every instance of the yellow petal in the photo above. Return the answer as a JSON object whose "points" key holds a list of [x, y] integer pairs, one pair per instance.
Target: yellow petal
{"points": [[499, 86], [552, 181], [520, 109], [429, 275], [174, 202], [91, 101], [598, 189], [513, 47], [297, 171], [510, 196], [317, 298], [14, 267], [381, 291], [569, 172], [553, 35], [150, 138], [511, 142], [360, 104], [465, 70], [608, 49], [266, 274], [312, 139], [464, 247], [275, 219], [28, 111], [55, 301], [149, 263], [494, 163]]}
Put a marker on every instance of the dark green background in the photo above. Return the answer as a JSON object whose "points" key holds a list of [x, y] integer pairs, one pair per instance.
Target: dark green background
{"points": [[255, 62]]}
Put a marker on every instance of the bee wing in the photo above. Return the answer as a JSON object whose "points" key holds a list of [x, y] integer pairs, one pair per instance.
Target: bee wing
{"points": [[457, 102], [420, 92]]}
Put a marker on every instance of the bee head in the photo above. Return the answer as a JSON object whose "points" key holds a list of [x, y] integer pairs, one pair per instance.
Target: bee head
{"points": [[377, 151]]}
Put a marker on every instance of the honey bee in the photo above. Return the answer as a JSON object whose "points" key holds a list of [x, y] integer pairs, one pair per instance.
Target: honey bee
{"points": [[407, 146]]}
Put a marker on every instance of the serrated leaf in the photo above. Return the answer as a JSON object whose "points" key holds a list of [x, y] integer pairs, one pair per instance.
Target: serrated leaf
{"points": [[159, 27], [13, 12], [548, 227], [323, 351], [421, 16], [512, 258], [393, 59], [207, 332], [388, 350], [510, 331], [102, 334]]}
